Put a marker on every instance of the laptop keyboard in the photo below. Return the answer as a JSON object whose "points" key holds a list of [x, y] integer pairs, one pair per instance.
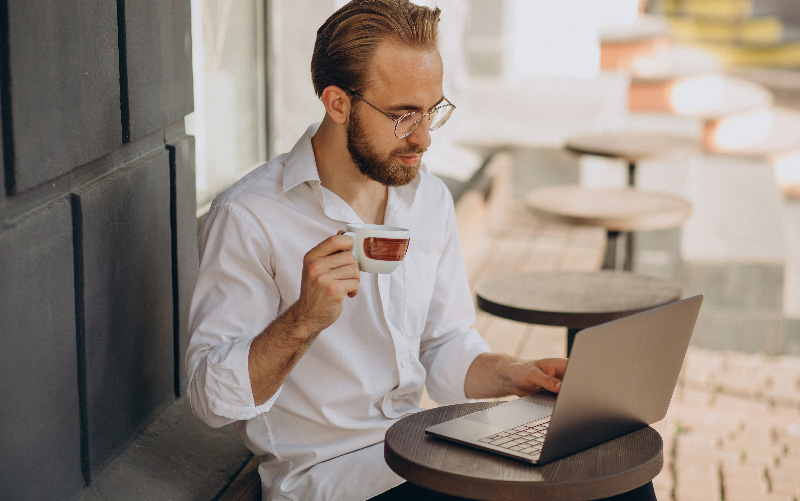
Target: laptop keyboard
{"points": [[526, 439]]}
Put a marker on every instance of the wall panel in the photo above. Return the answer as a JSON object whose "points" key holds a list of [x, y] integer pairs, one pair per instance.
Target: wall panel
{"points": [[64, 75], [39, 422], [127, 277], [159, 63]]}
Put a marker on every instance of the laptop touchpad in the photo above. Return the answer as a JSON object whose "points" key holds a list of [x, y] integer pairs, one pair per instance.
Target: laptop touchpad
{"points": [[513, 413]]}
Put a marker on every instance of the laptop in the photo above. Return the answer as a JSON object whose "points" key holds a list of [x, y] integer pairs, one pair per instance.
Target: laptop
{"points": [[620, 377]]}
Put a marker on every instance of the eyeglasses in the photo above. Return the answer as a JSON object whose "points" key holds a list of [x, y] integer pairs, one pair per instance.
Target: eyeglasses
{"points": [[406, 124]]}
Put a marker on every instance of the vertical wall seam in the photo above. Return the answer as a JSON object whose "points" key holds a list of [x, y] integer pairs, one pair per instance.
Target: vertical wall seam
{"points": [[80, 331], [5, 99], [176, 306], [124, 101]]}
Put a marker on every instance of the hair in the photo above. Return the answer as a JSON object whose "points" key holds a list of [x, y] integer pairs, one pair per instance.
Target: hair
{"points": [[349, 38]]}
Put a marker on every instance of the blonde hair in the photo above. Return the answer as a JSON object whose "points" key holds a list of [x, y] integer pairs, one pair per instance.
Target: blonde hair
{"points": [[347, 41]]}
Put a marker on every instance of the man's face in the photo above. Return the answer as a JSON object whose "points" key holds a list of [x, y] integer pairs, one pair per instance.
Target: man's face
{"points": [[404, 79]]}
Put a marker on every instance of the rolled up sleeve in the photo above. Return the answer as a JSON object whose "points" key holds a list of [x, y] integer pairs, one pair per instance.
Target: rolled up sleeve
{"points": [[234, 299]]}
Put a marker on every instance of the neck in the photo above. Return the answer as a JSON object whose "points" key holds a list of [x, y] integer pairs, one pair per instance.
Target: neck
{"points": [[339, 174]]}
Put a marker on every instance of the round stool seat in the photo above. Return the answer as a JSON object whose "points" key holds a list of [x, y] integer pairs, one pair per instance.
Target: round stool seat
{"points": [[615, 209], [573, 299]]}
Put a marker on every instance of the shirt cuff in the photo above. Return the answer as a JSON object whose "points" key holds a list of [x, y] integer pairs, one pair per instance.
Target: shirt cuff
{"points": [[227, 385]]}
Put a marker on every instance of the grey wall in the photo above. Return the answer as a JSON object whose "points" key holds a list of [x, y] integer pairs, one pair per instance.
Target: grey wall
{"points": [[97, 232]]}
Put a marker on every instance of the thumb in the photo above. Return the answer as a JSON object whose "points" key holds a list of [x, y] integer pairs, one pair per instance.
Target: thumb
{"points": [[551, 384]]}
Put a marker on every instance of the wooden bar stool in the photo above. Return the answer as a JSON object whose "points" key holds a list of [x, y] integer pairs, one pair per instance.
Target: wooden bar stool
{"points": [[573, 299], [620, 211]]}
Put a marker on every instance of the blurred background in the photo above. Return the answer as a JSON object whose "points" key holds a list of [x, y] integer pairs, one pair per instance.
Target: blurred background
{"points": [[528, 76], [122, 120]]}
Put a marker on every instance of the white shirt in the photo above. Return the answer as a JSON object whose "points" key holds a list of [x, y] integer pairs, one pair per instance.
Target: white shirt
{"points": [[320, 436]]}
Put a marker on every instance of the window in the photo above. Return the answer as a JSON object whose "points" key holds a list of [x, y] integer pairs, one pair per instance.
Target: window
{"points": [[229, 119]]}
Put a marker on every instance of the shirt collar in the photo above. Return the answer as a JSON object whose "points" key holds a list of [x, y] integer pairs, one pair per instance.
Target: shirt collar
{"points": [[301, 165]]}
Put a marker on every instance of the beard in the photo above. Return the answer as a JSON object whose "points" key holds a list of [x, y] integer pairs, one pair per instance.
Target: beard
{"points": [[370, 163]]}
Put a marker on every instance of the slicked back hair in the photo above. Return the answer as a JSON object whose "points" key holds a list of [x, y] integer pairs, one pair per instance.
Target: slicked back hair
{"points": [[349, 38]]}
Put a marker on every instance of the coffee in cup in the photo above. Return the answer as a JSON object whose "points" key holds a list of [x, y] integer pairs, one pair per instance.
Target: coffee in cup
{"points": [[378, 248]]}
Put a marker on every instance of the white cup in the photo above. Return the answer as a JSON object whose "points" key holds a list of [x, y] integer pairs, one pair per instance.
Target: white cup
{"points": [[378, 248]]}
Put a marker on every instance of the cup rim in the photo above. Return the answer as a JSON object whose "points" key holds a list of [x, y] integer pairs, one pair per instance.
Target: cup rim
{"points": [[375, 227]]}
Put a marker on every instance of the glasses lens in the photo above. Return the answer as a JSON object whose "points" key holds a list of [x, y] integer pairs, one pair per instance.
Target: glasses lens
{"points": [[407, 124], [440, 116]]}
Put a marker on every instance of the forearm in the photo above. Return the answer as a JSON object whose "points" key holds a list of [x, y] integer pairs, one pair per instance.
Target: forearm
{"points": [[275, 352], [488, 377], [494, 375]]}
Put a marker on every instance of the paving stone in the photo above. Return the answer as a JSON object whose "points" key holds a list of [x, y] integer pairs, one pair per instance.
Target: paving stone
{"points": [[39, 373], [65, 76], [176, 458], [127, 275]]}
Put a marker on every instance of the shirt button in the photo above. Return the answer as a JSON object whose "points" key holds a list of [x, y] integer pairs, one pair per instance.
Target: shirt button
{"points": [[403, 364]]}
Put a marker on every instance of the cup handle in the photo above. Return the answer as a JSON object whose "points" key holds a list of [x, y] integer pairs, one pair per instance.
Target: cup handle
{"points": [[352, 235]]}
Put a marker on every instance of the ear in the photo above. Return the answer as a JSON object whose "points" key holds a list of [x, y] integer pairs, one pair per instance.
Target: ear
{"points": [[337, 103]]}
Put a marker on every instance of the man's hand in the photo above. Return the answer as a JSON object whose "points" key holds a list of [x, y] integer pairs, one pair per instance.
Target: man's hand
{"points": [[494, 375], [330, 273]]}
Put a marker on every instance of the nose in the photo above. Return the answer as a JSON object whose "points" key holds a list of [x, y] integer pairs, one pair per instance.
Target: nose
{"points": [[421, 136]]}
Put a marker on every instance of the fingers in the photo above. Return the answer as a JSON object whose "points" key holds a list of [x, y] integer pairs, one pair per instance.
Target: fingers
{"points": [[545, 373], [330, 245]]}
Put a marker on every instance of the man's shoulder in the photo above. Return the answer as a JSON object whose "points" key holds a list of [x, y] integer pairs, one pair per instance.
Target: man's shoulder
{"points": [[262, 183]]}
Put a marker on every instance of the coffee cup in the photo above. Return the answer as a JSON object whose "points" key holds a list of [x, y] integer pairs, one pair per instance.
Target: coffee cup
{"points": [[378, 248]]}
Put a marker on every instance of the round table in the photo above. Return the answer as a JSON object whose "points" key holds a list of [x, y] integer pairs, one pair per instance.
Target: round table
{"points": [[631, 147], [618, 210], [627, 463], [573, 299]]}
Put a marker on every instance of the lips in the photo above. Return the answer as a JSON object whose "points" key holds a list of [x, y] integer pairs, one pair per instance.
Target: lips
{"points": [[410, 159]]}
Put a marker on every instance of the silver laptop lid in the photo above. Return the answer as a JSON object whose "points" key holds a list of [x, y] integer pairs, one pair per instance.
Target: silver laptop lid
{"points": [[620, 377]]}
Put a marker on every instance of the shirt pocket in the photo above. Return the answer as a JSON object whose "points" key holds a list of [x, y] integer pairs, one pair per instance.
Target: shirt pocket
{"points": [[420, 278]]}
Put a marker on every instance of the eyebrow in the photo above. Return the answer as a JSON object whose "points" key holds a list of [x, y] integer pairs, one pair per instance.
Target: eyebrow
{"points": [[411, 107]]}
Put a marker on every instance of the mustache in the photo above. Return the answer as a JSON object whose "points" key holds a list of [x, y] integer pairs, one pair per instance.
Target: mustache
{"points": [[414, 150]]}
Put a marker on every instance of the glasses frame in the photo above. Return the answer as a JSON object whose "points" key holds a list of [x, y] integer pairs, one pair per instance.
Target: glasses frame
{"points": [[397, 121]]}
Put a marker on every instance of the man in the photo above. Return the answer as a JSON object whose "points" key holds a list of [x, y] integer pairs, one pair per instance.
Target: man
{"points": [[311, 359]]}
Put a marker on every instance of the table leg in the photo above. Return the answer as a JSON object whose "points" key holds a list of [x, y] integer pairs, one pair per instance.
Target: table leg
{"points": [[571, 339], [612, 256], [610, 259], [627, 264], [632, 174]]}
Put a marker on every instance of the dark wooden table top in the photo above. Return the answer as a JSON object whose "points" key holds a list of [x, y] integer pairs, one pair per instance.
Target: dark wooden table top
{"points": [[611, 468], [573, 299]]}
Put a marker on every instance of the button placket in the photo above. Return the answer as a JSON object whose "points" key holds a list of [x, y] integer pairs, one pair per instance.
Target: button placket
{"points": [[399, 342]]}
